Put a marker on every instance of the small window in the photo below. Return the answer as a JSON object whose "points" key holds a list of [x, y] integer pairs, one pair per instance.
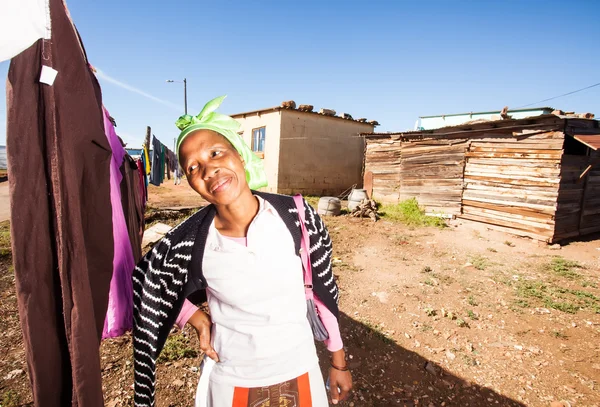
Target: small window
{"points": [[258, 140]]}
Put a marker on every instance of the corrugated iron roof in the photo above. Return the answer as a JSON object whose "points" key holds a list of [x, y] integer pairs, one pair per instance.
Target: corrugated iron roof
{"points": [[490, 112], [470, 126], [458, 127], [590, 140]]}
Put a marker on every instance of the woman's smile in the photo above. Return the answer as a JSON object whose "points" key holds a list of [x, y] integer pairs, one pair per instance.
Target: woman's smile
{"points": [[220, 185]]}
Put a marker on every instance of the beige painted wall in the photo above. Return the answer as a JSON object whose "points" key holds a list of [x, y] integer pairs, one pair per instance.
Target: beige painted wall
{"points": [[319, 155], [272, 124]]}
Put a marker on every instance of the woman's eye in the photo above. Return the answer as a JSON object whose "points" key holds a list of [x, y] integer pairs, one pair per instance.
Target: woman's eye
{"points": [[215, 153], [192, 168]]}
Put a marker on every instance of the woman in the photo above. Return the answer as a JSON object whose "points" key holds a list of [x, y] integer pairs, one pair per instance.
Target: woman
{"points": [[243, 249]]}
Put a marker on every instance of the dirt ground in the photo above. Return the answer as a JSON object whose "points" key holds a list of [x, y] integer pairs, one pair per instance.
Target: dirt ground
{"points": [[171, 195], [460, 316]]}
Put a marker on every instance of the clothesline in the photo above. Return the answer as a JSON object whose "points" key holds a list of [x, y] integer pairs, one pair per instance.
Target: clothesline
{"points": [[162, 160], [74, 185]]}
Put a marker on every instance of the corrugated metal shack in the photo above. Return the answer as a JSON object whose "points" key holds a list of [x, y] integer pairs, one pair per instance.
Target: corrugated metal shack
{"points": [[537, 177]]}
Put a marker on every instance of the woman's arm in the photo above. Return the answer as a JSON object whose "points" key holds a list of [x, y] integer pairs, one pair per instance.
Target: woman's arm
{"points": [[334, 342], [187, 310], [202, 324], [340, 379], [200, 321]]}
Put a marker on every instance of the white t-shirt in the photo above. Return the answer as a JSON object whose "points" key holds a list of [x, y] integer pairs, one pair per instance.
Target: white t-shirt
{"points": [[257, 305], [22, 22]]}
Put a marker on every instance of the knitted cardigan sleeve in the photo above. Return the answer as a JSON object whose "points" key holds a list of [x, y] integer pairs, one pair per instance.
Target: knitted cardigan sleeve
{"points": [[321, 248], [158, 284]]}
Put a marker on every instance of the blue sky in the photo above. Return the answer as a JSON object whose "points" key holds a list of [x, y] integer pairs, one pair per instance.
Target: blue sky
{"points": [[391, 61]]}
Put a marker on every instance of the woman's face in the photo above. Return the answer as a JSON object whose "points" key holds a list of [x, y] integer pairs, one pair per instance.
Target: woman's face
{"points": [[213, 167]]}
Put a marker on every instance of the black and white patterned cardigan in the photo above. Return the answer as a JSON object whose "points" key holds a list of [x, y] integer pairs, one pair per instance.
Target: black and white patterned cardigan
{"points": [[172, 271]]}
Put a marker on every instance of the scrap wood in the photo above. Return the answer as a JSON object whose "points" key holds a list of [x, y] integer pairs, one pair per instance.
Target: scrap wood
{"points": [[584, 173], [367, 208]]}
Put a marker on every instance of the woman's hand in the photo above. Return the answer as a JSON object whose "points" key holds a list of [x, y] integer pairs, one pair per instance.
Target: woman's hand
{"points": [[202, 324], [340, 379]]}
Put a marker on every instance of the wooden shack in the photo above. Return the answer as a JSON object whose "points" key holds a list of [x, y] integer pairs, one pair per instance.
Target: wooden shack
{"points": [[537, 177]]}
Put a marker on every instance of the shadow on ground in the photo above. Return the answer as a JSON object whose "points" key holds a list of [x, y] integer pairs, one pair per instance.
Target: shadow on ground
{"points": [[386, 374]]}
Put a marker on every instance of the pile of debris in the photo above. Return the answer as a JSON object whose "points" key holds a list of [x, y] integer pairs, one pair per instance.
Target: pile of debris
{"points": [[327, 112], [288, 104], [306, 108], [291, 105], [366, 209], [573, 114]]}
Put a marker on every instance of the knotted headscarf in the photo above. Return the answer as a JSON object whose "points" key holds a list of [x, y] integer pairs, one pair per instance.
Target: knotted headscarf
{"points": [[226, 126]]}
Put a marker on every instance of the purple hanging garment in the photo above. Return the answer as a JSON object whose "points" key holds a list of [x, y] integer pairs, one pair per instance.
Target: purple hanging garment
{"points": [[119, 315]]}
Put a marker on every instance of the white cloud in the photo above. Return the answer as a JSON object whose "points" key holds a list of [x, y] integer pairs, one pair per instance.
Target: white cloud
{"points": [[133, 89], [132, 140]]}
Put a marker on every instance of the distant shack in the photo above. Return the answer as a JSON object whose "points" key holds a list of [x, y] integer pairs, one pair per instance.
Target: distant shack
{"points": [[3, 162], [537, 177]]}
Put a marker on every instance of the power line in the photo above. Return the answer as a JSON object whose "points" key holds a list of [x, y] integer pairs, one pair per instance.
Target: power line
{"points": [[559, 96]]}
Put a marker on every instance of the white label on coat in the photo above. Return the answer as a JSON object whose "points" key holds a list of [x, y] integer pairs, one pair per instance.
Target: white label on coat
{"points": [[48, 75]]}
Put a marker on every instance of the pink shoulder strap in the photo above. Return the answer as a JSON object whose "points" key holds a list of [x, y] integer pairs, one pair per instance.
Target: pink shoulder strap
{"points": [[304, 247]]}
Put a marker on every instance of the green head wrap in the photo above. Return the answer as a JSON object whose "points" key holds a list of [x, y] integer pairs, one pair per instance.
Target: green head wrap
{"points": [[226, 126]]}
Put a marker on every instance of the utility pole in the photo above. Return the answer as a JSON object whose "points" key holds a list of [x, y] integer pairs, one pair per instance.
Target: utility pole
{"points": [[185, 94], [147, 139], [184, 91]]}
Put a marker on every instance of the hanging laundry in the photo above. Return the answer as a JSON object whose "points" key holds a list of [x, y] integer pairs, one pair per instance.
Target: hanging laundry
{"points": [[162, 162], [178, 171], [59, 162], [172, 162], [146, 159], [119, 316], [168, 163], [155, 177], [176, 167], [173, 166], [134, 205], [143, 182], [22, 23], [144, 175]]}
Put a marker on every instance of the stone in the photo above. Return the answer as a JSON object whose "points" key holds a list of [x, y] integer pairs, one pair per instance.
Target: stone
{"points": [[431, 368], [14, 373]]}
